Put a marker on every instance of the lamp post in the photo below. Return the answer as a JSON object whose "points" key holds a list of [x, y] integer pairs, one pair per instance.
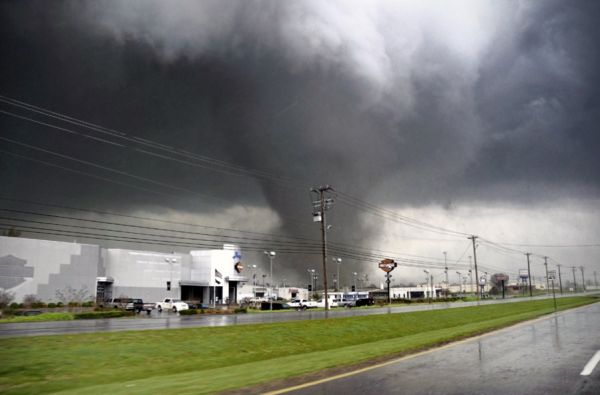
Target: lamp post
{"points": [[253, 267], [337, 284], [446, 273], [170, 261], [427, 283], [355, 274], [271, 255], [311, 280]]}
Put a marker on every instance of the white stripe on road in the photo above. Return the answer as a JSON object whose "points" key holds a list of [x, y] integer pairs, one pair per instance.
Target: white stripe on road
{"points": [[589, 367]]}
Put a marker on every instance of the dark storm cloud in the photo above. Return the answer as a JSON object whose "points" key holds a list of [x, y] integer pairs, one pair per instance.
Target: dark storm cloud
{"points": [[538, 96], [286, 88], [401, 104]]}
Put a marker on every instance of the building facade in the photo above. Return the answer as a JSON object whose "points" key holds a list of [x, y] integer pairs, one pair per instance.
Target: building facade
{"points": [[57, 271]]}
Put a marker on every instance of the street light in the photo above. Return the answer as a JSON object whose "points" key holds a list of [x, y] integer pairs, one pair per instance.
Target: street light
{"points": [[170, 261], [311, 280], [427, 283], [355, 274], [337, 284], [253, 267], [446, 272], [271, 255]]}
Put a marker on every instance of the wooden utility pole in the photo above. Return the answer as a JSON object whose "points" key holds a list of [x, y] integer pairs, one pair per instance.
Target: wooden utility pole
{"points": [[529, 273], [473, 238], [323, 204]]}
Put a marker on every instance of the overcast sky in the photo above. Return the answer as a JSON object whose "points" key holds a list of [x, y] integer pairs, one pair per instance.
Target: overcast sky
{"points": [[475, 116]]}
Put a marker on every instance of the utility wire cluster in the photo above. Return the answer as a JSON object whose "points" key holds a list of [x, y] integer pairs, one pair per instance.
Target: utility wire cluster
{"points": [[213, 237]]}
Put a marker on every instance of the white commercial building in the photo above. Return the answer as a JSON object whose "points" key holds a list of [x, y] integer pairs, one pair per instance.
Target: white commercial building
{"points": [[54, 270]]}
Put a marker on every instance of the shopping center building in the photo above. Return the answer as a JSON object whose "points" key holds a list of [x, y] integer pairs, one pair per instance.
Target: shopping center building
{"points": [[52, 269]]}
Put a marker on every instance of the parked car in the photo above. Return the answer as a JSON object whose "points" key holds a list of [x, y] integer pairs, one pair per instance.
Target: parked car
{"points": [[172, 304], [365, 302], [302, 304], [129, 304], [138, 306], [117, 303], [347, 303]]}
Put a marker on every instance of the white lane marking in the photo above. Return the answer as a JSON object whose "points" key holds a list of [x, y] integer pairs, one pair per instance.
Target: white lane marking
{"points": [[589, 367]]}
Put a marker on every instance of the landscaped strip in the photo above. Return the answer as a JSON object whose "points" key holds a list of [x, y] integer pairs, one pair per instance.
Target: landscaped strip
{"points": [[208, 360]]}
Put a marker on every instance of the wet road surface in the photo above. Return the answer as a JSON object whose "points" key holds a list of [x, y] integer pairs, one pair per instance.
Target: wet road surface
{"points": [[169, 320], [545, 356]]}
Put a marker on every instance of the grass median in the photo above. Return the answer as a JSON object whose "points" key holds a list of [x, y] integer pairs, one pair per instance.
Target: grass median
{"points": [[208, 360]]}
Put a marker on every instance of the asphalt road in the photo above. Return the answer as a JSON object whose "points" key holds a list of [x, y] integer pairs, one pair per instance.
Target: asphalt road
{"points": [[169, 320], [545, 356]]}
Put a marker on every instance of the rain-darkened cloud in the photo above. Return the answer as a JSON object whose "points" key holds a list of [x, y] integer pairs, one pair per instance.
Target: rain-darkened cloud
{"points": [[404, 104]]}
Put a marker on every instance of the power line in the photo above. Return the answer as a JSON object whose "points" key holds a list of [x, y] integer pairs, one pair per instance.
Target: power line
{"points": [[221, 166]]}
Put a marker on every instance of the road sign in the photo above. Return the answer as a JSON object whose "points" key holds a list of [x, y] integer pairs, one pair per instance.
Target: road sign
{"points": [[387, 265]]}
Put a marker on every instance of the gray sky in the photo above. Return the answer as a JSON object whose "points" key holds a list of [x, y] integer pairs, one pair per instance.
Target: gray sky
{"points": [[474, 116]]}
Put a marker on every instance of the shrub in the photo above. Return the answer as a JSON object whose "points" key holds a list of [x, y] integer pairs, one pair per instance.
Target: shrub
{"points": [[30, 300], [103, 314], [21, 306], [189, 312], [51, 305], [74, 304], [6, 298], [60, 304], [14, 306], [241, 310], [38, 305], [87, 304]]}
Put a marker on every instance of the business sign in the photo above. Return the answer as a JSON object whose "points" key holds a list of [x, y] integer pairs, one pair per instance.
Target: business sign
{"points": [[387, 265], [523, 274], [501, 277], [482, 281], [237, 260], [551, 274]]}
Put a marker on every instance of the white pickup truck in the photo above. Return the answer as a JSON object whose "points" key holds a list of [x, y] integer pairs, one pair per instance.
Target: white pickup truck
{"points": [[171, 304], [302, 304]]}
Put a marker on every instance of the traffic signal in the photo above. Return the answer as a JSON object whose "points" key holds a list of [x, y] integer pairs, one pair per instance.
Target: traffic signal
{"points": [[309, 287], [353, 288], [168, 285]]}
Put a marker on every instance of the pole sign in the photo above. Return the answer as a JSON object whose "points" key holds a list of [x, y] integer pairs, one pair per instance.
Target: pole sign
{"points": [[482, 281], [523, 274], [551, 274], [501, 277], [387, 265]]}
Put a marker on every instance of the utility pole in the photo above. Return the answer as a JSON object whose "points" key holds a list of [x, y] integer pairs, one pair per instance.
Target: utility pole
{"points": [[574, 280], [271, 255], [473, 238], [471, 274], [595, 280], [529, 273], [547, 281], [582, 277], [321, 205], [559, 279]]}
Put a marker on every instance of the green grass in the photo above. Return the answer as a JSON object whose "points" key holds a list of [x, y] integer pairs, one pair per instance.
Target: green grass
{"points": [[206, 360], [39, 318]]}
